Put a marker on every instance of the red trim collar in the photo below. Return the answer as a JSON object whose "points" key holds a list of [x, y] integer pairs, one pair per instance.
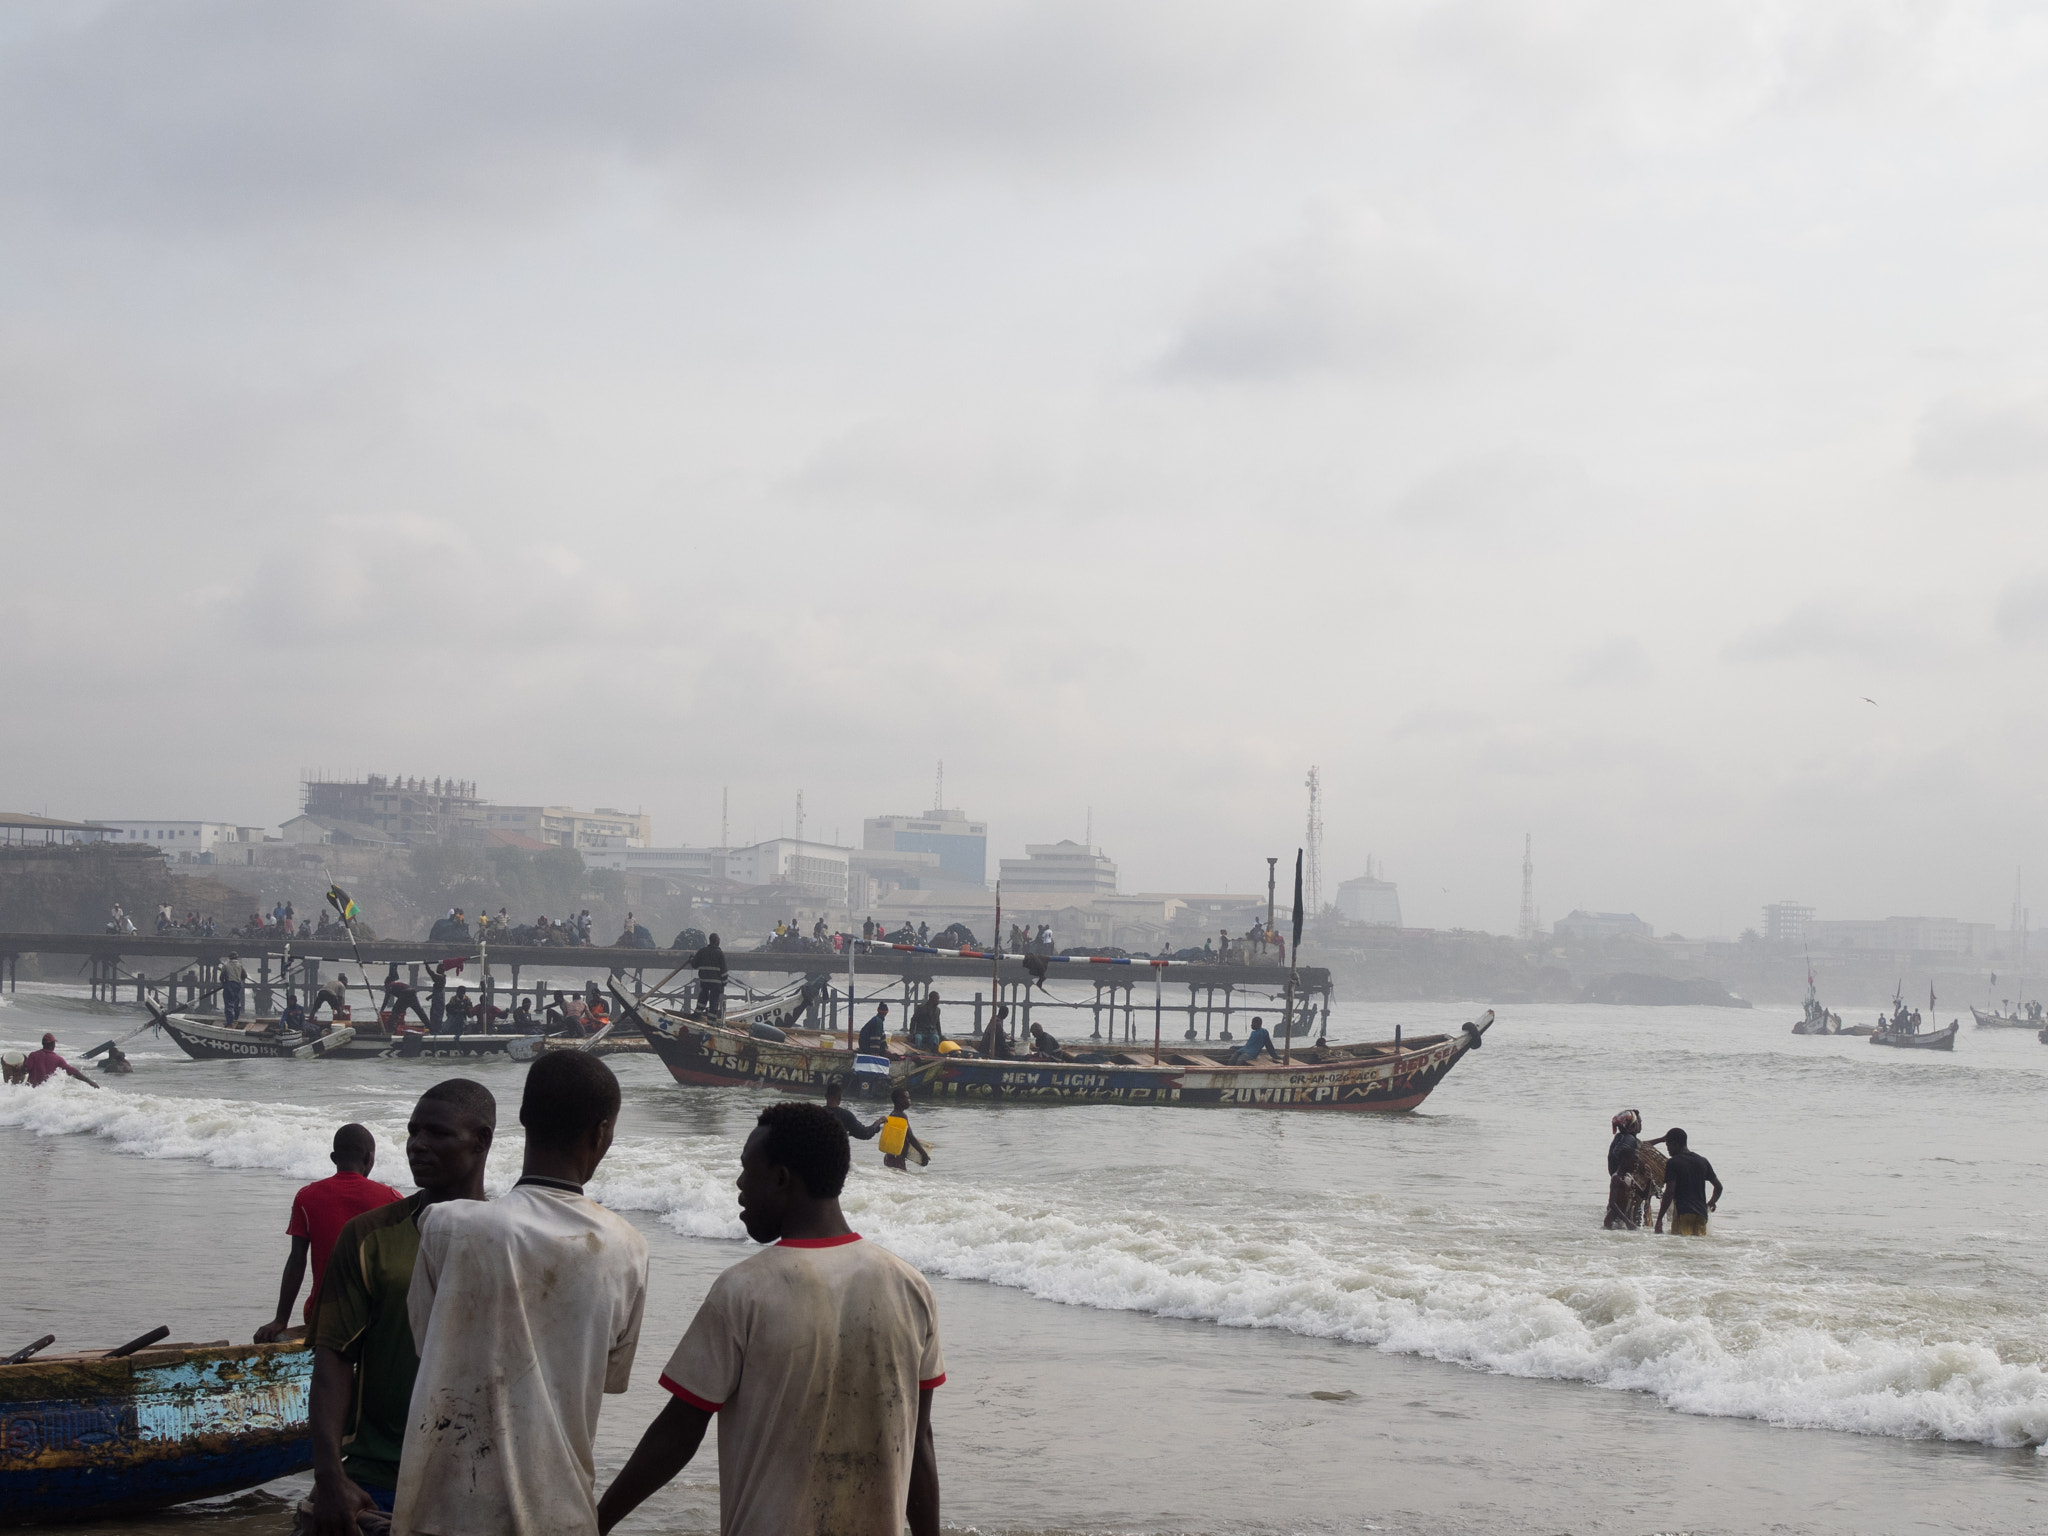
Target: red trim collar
{"points": [[819, 1242]]}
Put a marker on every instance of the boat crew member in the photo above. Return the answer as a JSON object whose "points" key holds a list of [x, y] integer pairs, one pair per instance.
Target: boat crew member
{"points": [[818, 1356], [1256, 1044], [335, 997], [995, 1040], [460, 1011], [319, 1212], [399, 996], [711, 973], [486, 1368], [116, 1063], [851, 1123], [45, 1064], [293, 1020], [1623, 1201], [232, 975], [364, 1360], [909, 1144], [437, 997], [522, 1017], [1686, 1178], [925, 1029], [1043, 1044], [874, 1035]]}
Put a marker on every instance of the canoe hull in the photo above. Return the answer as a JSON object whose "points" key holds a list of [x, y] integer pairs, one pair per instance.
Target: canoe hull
{"points": [[1385, 1078], [1926, 1040], [2002, 1020], [204, 1040], [94, 1439]]}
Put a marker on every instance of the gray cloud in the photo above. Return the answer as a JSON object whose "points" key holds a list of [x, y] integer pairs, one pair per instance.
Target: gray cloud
{"points": [[1879, 637], [1974, 436], [2022, 616], [1612, 663]]}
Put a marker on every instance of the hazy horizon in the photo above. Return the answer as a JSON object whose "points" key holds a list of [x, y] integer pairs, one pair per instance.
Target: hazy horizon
{"points": [[1559, 421]]}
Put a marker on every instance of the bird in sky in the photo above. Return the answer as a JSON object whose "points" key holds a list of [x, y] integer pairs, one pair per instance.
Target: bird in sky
{"points": [[1870, 701]]}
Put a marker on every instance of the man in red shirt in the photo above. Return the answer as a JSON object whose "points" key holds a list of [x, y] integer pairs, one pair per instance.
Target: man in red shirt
{"points": [[46, 1064], [319, 1212]]}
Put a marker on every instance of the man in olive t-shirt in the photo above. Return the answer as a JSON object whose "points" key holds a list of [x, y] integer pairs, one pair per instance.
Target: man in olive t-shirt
{"points": [[364, 1359]]}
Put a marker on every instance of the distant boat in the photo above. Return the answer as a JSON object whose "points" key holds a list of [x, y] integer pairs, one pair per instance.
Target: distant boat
{"points": [[2009, 1020], [1816, 1020], [1919, 1040], [103, 1434]]}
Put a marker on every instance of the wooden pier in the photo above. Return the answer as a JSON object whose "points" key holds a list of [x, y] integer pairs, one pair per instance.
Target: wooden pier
{"points": [[1125, 1003]]}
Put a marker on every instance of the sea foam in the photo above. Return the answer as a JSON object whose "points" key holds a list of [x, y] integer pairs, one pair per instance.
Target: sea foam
{"points": [[1757, 1340]]}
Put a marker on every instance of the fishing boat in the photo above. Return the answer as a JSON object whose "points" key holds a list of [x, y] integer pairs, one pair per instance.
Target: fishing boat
{"points": [[100, 1434], [1387, 1075], [1913, 1039], [211, 1040], [1816, 1020], [2023, 1020]]}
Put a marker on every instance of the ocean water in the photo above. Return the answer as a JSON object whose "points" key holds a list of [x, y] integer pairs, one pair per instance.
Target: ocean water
{"points": [[1140, 1304]]}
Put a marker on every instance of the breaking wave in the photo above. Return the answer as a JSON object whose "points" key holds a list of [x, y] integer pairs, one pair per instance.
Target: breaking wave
{"points": [[1740, 1330]]}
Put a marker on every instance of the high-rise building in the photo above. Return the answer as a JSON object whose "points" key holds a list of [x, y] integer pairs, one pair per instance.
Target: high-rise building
{"points": [[1370, 900], [1787, 922], [1066, 867], [961, 845], [403, 809]]}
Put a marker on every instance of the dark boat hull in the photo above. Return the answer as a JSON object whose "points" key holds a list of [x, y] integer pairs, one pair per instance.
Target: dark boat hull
{"points": [[1385, 1078], [205, 1041], [88, 1439], [1926, 1040], [2002, 1020]]}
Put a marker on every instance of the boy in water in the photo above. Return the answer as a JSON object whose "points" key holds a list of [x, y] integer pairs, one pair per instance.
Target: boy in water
{"points": [[818, 1356], [900, 1100], [527, 1311]]}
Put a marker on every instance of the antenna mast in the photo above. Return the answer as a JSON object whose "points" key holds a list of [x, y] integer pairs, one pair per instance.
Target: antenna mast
{"points": [[1314, 874], [939, 788], [799, 815], [1527, 927], [724, 817]]}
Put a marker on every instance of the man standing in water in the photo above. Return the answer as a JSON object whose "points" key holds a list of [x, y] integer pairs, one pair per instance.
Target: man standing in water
{"points": [[363, 1355], [1686, 1178], [45, 1064], [818, 1356], [319, 1212], [851, 1123]]}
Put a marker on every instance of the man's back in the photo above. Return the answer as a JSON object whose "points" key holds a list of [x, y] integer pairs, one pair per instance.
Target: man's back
{"points": [[1686, 1176], [812, 1354], [321, 1209], [527, 1310]]}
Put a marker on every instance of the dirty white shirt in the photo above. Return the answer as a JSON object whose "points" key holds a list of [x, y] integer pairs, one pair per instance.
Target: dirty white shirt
{"points": [[526, 1310], [812, 1353]]}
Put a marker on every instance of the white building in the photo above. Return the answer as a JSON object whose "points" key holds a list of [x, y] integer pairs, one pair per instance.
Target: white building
{"points": [[1920, 935], [820, 869], [603, 828], [1065, 867], [1370, 900], [961, 845], [183, 842]]}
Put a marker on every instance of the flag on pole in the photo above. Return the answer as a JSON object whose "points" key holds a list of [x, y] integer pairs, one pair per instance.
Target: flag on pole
{"points": [[1297, 905], [342, 903]]}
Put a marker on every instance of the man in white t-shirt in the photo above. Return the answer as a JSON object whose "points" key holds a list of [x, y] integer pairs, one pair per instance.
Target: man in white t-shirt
{"points": [[526, 1311], [818, 1356]]}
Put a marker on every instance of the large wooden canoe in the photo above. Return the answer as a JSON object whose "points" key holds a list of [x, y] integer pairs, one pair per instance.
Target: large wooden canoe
{"points": [[1919, 1040], [1381, 1076], [87, 1437]]}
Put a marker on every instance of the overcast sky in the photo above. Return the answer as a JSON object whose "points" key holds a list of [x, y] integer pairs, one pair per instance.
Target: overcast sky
{"points": [[1553, 419]]}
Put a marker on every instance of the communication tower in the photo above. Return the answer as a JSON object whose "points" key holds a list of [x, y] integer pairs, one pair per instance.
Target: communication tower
{"points": [[799, 815], [725, 817], [1527, 927], [939, 788], [1313, 876]]}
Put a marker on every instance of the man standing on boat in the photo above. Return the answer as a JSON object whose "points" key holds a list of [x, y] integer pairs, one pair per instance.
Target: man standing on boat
{"points": [[335, 997], [925, 1029], [1686, 1178], [711, 974], [818, 1356], [364, 1359], [232, 975], [874, 1035], [399, 996], [319, 1212]]}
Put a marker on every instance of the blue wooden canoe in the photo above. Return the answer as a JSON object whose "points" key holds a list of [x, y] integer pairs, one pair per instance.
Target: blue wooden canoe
{"points": [[86, 1437]]}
